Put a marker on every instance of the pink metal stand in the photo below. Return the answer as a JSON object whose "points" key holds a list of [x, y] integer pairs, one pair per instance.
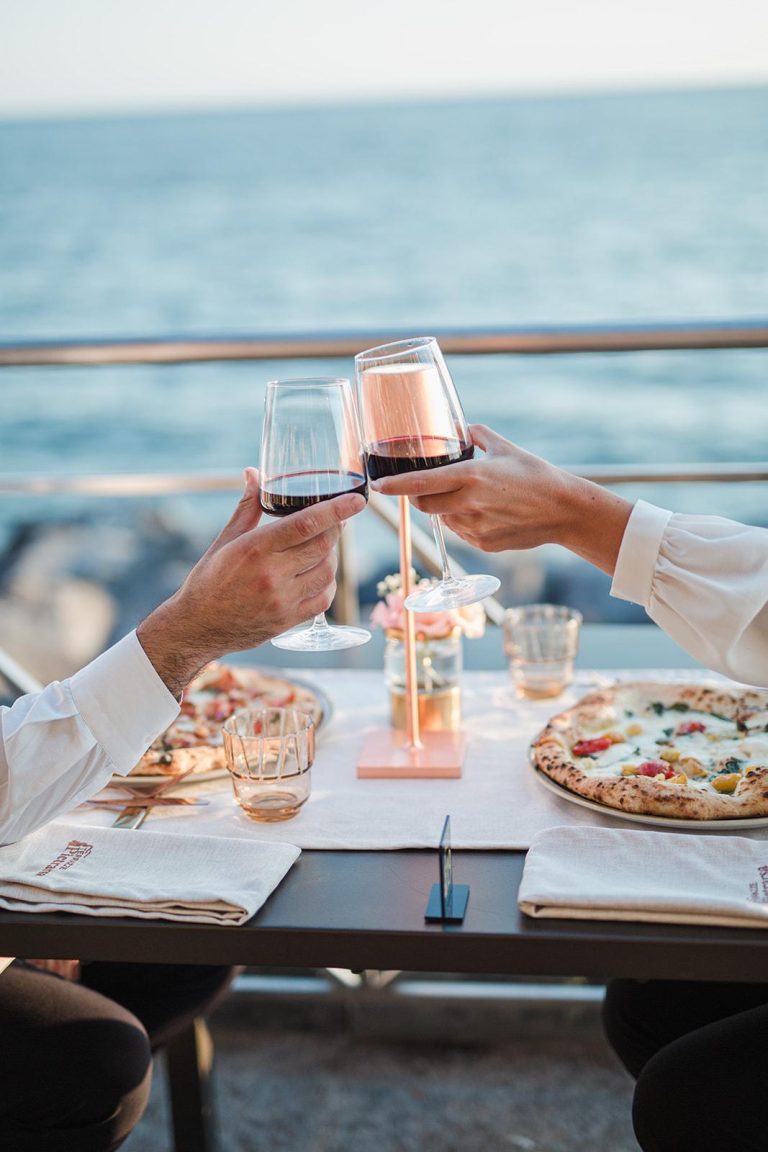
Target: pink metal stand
{"points": [[411, 754]]}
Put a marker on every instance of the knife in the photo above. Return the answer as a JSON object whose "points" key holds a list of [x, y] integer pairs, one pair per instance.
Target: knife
{"points": [[130, 818], [150, 802]]}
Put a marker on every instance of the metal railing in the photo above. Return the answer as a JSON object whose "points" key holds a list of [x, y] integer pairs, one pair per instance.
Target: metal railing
{"points": [[545, 340], [548, 340]]}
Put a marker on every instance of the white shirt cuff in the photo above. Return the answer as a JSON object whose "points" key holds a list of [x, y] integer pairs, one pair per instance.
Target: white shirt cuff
{"points": [[123, 701], [639, 552]]}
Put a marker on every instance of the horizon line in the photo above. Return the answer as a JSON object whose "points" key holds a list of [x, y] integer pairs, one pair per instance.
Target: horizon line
{"points": [[339, 101]]}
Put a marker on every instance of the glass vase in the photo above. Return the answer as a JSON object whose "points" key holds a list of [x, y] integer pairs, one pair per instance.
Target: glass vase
{"points": [[438, 676]]}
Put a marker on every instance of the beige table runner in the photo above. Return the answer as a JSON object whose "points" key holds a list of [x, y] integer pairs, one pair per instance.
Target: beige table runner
{"points": [[498, 803]]}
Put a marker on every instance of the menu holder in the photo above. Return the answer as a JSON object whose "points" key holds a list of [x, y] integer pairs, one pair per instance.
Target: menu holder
{"points": [[411, 754], [447, 902]]}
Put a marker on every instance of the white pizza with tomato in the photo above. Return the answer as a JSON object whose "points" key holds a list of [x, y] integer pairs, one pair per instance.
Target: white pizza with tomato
{"points": [[691, 751], [194, 740]]}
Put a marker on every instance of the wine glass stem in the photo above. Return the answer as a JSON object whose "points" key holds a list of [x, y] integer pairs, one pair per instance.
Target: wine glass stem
{"points": [[319, 624], [437, 529]]}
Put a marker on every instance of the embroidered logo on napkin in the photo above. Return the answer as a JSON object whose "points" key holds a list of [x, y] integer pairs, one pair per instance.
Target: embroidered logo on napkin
{"points": [[74, 851], [758, 890]]}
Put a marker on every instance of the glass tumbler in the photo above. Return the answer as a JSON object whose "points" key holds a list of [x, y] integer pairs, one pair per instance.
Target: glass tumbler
{"points": [[269, 754], [541, 642]]}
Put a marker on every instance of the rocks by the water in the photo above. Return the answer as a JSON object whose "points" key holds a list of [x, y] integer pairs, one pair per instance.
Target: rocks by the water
{"points": [[52, 620], [71, 587]]}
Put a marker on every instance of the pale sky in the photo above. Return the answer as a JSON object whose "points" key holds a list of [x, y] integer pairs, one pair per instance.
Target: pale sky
{"points": [[61, 56]]}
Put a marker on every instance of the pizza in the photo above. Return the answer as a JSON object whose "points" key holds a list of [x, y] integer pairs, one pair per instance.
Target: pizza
{"points": [[194, 740], [686, 751]]}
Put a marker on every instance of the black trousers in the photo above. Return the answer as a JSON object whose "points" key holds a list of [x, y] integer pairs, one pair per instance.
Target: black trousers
{"points": [[76, 1061], [699, 1053]]}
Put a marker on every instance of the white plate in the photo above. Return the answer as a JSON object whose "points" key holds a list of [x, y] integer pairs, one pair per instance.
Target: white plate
{"points": [[326, 711], [733, 825]]}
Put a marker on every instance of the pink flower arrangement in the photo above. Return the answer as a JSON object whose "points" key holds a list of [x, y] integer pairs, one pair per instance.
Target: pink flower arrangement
{"points": [[389, 613]]}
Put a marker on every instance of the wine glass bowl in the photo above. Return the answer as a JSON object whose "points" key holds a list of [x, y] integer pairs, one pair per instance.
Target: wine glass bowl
{"points": [[412, 419], [310, 452]]}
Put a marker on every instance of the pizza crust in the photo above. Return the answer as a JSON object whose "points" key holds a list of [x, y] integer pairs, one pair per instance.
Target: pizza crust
{"points": [[644, 795]]}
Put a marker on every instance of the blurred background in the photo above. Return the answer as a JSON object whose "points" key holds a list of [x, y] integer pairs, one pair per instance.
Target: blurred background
{"points": [[174, 168]]}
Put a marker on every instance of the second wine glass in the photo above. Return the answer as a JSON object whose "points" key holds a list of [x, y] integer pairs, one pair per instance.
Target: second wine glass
{"points": [[412, 419], [311, 451]]}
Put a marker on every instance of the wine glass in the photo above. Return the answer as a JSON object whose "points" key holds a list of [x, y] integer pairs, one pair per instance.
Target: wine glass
{"points": [[311, 451], [412, 419]]}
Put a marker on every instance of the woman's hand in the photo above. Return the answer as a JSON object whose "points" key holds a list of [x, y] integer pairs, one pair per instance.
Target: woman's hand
{"points": [[507, 498]]}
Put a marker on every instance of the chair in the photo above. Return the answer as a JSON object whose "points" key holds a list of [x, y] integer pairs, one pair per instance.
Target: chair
{"points": [[188, 1064]]}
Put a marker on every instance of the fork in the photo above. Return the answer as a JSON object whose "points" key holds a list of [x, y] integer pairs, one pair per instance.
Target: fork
{"points": [[134, 815], [163, 784]]}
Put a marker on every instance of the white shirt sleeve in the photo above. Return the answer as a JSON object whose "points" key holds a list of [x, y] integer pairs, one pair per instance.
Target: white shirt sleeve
{"points": [[704, 580], [61, 745]]}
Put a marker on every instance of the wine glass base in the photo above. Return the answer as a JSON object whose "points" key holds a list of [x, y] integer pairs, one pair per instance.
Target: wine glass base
{"points": [[331, 638], [455, 593]]}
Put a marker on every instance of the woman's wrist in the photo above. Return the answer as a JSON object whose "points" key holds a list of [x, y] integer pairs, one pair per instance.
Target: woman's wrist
{"points": [[593, 521]]}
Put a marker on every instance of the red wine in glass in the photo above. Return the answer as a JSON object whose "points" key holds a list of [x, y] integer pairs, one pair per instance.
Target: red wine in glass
{"points": [[310, 452], [297, 490], [411, 454], [412, 419]]}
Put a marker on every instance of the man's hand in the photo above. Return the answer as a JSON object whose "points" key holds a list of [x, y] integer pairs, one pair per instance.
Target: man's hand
{"points": [[508, 498], [254, 582]]}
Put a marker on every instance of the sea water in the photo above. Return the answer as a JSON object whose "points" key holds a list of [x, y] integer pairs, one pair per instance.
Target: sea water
{"points": [[636, 207]]}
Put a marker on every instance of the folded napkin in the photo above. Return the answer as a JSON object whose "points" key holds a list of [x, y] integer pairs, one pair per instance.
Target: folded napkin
{"points": [[611, 874], [107, 872]]}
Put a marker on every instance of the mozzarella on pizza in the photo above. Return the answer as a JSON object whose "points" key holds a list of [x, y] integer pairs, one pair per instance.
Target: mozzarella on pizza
{"points": [[685, 751]]}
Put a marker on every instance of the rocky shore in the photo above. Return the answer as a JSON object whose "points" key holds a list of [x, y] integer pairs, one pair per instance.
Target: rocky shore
{"points": [[69, 588]]}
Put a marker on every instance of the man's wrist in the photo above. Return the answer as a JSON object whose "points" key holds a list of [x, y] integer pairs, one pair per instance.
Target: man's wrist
{"points": [[165, 640]]}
